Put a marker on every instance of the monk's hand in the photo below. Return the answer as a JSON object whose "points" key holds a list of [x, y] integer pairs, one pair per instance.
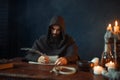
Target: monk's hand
{"points": [[43, 59], [61, 61]]}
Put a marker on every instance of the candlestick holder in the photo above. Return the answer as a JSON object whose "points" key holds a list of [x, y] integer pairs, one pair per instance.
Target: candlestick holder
{"points": [[112, 46], [117, 51]]}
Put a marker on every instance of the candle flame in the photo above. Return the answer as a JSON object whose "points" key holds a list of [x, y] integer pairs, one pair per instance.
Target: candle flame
{"points": [[116, 27], [111, 62], [109, 27], [116, 23]]}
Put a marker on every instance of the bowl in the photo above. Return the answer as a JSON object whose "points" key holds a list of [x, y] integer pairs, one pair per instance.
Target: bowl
{"points": [[85, 65]]}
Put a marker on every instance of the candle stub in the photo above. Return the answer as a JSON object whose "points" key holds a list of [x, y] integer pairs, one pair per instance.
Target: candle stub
{"points": [[97, 70], [110, 65]]}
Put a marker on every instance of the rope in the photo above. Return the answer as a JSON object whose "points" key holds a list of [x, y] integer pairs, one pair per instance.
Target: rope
{"points": [[59, 70]]}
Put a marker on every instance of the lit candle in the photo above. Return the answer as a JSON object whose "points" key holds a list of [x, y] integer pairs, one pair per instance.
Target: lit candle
{"points": [[97, 70], [110, 65], [116, 27], [109, 28]]}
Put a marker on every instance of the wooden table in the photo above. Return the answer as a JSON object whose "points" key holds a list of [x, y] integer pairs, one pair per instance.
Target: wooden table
{"points": [[26, 71]]}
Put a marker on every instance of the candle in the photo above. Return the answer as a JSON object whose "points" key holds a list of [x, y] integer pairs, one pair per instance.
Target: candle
{"points": [[110, 65], [109, 28], [97, 70]]}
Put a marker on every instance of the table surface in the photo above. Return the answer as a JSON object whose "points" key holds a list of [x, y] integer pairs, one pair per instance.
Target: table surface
{"points": [[25, 71]]}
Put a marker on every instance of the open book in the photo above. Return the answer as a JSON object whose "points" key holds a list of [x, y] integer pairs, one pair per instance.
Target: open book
{"points": [[52, 61], [32, 62]]}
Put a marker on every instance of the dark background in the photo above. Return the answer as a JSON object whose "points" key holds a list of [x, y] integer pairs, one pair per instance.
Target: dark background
{"points": [[23, 21]]}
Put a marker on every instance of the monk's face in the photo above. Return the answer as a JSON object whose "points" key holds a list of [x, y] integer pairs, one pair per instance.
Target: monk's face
{"points": [[55, 30]]}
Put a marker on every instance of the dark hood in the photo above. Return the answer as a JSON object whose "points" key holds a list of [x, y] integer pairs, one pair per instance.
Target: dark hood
{"points": [[59, 21], [56, 20]]}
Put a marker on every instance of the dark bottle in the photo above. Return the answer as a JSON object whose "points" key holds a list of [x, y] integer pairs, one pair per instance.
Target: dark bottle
{"points": [[105, 58]]}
